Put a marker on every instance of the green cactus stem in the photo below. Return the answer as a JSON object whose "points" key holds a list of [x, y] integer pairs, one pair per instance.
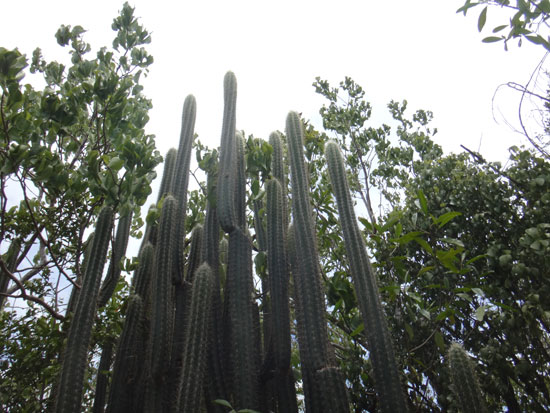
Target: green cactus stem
{"points": [[129, 360], [278, 286], [118, 252], [162, 308], [386, 372], [307, 274], [181, 177], [71, 379], [168, 174], [196, 341], [464, 380], [227, 213], [102, 380], [181, 299]]}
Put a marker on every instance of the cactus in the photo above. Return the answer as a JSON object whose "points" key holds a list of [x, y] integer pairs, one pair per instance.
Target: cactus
{"points": [[128, 360], [162, 309], [278, 286], [278, 169], [168, 173], [181, 298], [196, 341], [315, 353], [142, 276], [118, 251], [69, 389], [239, 314], [464, 380], [227, 214], [215, 380], [386, 372], [102, 379], [181, 178], [75, 292]]}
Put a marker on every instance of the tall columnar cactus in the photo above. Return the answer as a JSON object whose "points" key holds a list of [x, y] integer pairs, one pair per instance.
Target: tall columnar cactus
{"points": [[181, 177], [168, 177], [129, 360], [315, 353], [215, 381], [385, 367], [118, 251], [73, 298], [69, 389], [278, 286], [196, 341], [162, 308], [244, 356], [464, 380], [130, 370], [102, 379], [278, 169], [181, 298], [168, 174]]}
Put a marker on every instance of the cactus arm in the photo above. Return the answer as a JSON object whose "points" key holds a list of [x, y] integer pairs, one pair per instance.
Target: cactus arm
{"points": [[118, 251], [69, 390], [159, 349], [386, 372], [227, 214], [278, 285], [196, 341]]}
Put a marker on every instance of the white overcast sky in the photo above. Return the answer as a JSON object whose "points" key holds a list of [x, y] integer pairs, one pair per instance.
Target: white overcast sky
{"points": [[419, 50]]}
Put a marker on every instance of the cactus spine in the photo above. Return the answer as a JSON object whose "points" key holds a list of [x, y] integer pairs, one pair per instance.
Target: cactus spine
{"points": [[386, 372], [71, 379], [278, 285], [464, 380], [196, 341], [313, 340]]}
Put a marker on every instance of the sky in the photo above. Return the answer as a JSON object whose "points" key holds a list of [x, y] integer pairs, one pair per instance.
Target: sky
{"points": [[420, 50]]}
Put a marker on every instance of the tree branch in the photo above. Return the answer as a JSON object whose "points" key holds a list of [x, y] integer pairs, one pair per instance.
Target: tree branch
{"points": [[26, 296]]}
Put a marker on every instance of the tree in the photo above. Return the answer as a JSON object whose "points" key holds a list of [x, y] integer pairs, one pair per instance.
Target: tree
{"points": [[65, 150]]}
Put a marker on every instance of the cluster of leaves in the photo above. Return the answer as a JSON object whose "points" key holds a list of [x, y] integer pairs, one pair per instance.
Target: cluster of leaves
{"points": [[529, 20], [65, 150]]}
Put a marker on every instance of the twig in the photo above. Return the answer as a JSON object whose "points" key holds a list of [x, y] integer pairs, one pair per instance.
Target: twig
{"points": [[26, 296]]}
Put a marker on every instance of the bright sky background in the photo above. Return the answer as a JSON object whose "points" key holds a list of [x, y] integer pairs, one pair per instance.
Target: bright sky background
{"points": [[419, 50]]}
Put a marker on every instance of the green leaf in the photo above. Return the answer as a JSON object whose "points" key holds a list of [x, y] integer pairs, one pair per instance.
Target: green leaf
{"points": [[439, 341], [482, 19], [480, 313], [492, 39], [223, 403], [499, 28], [358, 330], [445, 218], [116, 163], [424, 244], [423, 201]]}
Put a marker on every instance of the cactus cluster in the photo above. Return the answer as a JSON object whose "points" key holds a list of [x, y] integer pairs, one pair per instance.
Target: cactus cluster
{"points": [[193, 331]]}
